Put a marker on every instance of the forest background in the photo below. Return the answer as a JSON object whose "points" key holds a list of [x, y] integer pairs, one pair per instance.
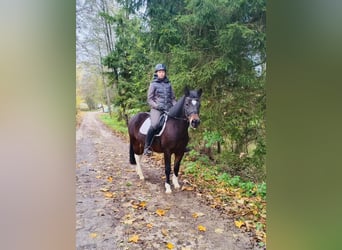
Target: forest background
{"points": [[216, 45]]}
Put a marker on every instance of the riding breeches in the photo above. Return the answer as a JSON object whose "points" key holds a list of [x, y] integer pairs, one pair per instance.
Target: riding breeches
{"points": [[155, 116]]}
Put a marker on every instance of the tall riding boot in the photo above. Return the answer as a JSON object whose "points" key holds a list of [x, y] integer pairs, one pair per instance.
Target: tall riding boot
{"points": [[148, 141]]}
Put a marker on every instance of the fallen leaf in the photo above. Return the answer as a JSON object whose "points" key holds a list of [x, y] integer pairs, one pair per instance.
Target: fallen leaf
{"points": [[187, 188], [164, 232], [129, 221], [93, 235], [160, 212], [196, 215], [98, 177], [237, 194], [221, 190], [128, 216], [218, 230], [149, 225], [104, 189], [239, 223], [142, 204], [134, 238], [110, 179], [241, 201], [201, 228], [109, 195], [170, 245], [249, 225]]}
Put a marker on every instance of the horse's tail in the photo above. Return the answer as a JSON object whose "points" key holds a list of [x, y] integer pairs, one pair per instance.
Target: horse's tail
{"points": [[131, 154]]}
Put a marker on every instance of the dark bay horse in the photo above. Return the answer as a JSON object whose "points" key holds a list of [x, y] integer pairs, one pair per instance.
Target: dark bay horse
{"points": [[173, 140]]}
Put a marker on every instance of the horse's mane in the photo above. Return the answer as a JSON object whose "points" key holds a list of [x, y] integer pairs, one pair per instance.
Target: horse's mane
{"points": [[177, 110]]}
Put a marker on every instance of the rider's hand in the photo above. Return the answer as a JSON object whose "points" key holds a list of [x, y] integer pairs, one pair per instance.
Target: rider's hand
{"points": [[161, 108]]}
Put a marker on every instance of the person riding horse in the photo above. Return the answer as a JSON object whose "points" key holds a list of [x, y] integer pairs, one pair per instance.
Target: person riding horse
{"points": [[174, 139], [161, 98]]}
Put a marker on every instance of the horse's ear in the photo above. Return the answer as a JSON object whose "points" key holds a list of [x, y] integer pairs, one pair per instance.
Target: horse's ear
{"points": [[199, 92], [186, 91]]}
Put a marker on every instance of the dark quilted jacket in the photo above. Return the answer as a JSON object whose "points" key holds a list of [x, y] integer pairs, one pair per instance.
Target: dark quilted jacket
{"points": [[160, 94]]}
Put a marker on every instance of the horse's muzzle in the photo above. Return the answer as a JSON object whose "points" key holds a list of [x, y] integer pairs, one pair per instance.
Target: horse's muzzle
{"points": [[194, 120]]}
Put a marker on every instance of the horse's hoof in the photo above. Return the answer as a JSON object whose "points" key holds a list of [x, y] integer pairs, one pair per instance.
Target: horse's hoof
{"points": [[177, 186], [175, 182], [168, 188]]}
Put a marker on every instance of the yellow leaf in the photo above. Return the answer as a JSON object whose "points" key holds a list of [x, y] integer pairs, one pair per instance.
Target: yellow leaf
{"points": [[98, 177], [160, 212], [196, 215], [142, 204], [149, 225], [201, 228], [108, 194], [239, 223], [134, 238], [93, 235], [104, 189], [110, 179], [170, 245]]}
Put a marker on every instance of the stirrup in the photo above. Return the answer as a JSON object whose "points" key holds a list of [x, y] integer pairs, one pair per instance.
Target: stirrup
{"points": [[147, 151]]}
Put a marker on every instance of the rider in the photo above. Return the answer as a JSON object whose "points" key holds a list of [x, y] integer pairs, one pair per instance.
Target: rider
{"points": [[161, 98]]}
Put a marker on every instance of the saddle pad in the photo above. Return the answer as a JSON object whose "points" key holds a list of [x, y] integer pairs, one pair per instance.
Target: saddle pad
{"points": [[147, 124]]}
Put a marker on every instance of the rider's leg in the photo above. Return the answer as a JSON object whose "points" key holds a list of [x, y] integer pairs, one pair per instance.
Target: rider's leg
{"points": [[154, 115], [148, 141]]}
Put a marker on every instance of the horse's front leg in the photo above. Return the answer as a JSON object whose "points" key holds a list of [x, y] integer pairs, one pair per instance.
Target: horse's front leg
{"points": [[138, 167], [178, 158], [167, 160]]}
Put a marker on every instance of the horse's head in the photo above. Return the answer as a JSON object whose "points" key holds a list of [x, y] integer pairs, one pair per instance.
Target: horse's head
{"points": [[192, 104]]}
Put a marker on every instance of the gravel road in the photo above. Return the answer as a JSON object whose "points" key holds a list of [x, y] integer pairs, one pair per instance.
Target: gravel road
{"points": [[116, 210]]}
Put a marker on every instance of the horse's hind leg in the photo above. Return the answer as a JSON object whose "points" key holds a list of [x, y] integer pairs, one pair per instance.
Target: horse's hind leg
{"points": [[138, 167]]}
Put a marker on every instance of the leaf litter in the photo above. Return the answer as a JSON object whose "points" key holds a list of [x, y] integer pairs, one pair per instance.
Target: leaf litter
{"points": [[142, 214]]}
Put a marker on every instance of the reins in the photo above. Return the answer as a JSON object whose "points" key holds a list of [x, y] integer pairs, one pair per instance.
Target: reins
{"points": [[175, 117]]}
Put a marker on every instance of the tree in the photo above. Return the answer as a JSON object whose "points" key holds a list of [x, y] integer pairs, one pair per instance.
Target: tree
{"points": [[216, 45], [94, 39], [128, 60]]}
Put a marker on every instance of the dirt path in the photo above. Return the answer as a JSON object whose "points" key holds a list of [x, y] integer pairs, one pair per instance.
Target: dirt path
{"points": [[116, 210]]}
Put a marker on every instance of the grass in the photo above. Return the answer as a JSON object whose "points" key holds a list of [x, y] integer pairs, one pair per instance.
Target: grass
{"points": [[113, 123]]}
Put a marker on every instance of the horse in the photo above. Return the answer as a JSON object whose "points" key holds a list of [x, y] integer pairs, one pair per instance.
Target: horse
{"points": [[173, 140]]}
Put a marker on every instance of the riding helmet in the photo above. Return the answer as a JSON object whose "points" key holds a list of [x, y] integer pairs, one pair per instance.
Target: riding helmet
{"points": [[160, 66]]}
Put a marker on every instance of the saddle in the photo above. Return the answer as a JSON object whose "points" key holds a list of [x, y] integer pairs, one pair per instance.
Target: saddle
{"points": [[160, 128]]}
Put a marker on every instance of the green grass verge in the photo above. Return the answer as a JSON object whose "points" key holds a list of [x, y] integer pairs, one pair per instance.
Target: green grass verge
{"points": [[200, 167], [113, 123]]}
